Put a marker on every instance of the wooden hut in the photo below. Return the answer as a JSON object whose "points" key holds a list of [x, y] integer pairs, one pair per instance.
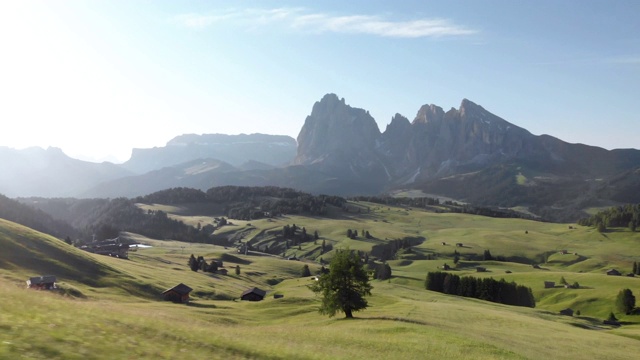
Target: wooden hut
{"points": [[549, 284], [613, 272], [567, 312], [253, 294], [177, 294], [44, 282]]}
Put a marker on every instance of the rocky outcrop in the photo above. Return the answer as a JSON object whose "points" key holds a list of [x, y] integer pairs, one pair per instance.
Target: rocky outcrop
{"points": [[345, 142], [340, 139]]}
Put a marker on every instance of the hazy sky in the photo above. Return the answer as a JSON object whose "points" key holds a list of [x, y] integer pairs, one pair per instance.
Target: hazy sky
{"points": [[98, 78]]}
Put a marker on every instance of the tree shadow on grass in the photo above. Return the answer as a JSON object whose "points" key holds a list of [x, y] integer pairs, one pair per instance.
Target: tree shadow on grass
{"points": [[203, 306], [388, 318]]}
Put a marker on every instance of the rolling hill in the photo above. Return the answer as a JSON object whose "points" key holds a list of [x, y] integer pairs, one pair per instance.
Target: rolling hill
{"points": [[119, 313]]}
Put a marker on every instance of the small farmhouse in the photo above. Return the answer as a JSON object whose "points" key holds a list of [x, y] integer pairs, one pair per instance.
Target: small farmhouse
{"points": [[567, 312], [253, 294], [549, 284], [177, 294], [45, 282], [481, 269], [613, 272], [110, 247]]}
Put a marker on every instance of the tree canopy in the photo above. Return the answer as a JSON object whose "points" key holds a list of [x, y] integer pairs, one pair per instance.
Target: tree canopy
{"points": [[625, 301], [344, 287]]}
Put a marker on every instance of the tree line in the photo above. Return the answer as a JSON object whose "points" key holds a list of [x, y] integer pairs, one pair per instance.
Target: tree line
{"points": [[446, 206], [617, 216], [487, 289], [249, 202], [34, 218]]}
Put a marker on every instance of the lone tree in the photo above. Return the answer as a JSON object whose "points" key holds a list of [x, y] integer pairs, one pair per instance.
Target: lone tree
{"points": [[344, 287], [625, 302], [305, 271]]}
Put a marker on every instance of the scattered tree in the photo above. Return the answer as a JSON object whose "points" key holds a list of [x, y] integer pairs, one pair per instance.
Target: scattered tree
{"points": [[193, 263], [237, 269], [383, 272], [305, 271], [625, 302], [345, 286]]}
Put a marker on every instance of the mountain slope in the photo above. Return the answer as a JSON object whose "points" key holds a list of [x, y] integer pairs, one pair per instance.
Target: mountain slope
{"points": [[27, 253], [30, 253]]}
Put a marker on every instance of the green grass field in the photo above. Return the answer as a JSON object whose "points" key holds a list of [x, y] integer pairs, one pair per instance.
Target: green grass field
{"points": [[111, 308]]}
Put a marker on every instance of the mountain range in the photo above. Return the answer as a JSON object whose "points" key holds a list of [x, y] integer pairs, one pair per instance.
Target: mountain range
{"points": [[466, 153]]}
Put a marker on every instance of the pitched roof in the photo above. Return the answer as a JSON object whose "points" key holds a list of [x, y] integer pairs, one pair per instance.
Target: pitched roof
{"points": [[181, 289], [256, 291], [44, 279]]}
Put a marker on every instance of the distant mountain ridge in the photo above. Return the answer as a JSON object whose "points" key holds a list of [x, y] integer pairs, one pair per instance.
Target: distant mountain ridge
{"points": [[466, 153], [275, 150], [51, 173]]}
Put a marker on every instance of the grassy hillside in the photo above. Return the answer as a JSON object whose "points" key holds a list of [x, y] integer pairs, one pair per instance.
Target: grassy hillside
{"points": [[121, 316]]}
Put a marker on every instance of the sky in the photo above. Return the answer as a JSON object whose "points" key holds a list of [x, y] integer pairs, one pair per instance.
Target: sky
{"points": [[99, 78]]}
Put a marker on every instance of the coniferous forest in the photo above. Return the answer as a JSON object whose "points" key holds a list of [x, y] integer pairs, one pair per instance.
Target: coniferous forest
{"points": [[488, 289]]}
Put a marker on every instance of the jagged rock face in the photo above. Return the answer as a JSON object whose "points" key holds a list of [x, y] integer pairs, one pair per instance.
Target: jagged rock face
{"points": [[394, 144], [338, 137], [345, 141], [469, 137]]}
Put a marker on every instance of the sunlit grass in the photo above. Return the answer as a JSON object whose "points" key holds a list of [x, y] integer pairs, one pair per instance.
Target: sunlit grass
{"points": [[121, 315]]}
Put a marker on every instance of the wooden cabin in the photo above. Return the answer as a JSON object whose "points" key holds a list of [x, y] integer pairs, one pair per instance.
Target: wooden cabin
{"points": [[45, 282], [567, 312], [549, 284], [253, 294], [177, 294], [613, 272]]}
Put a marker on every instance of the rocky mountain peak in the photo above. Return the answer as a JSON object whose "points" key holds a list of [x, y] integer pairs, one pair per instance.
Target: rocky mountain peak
{"points": [[338, 135], [469, 108], [429, 113], [398, 123]]}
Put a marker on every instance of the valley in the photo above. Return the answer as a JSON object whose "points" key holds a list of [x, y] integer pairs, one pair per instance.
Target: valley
{"points": [[108, 307]]}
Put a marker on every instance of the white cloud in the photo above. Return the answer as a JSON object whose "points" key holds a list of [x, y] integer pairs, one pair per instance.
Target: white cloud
{"points": [[626, 60], [299, 19]]}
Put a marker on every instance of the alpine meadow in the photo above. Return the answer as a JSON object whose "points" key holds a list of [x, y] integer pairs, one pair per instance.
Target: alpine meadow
{"points": [[319, 180]]}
